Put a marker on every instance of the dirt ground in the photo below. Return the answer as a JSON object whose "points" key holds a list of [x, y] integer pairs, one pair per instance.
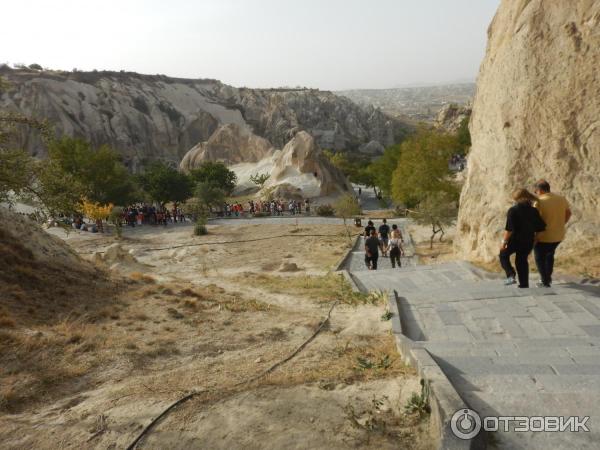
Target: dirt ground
{"points": [[179, 313], [442, 251]]}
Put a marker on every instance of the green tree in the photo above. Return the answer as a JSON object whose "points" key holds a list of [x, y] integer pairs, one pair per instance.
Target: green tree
{"points": [[102, 174], [423, 167], [206, 196], [260, 179], [216, 174], [382, 168], [438, 210], [40, 182], [165, 184], [355, 167], [463, 136], [345, 207]]}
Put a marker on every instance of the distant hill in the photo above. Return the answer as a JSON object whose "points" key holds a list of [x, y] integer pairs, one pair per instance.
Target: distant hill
{"points": [[156, 117], [417, 103]]}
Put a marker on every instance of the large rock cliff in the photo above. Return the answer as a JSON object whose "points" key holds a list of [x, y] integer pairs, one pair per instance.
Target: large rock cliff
{"points": [[535, 115], [149, 117]]}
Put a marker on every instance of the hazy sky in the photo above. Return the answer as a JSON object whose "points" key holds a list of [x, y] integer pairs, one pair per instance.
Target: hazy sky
{"points": [[329, 44]]}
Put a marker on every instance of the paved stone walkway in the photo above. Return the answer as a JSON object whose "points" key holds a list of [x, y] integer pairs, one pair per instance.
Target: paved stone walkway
{"points": [[507, 351], [356, 261]]}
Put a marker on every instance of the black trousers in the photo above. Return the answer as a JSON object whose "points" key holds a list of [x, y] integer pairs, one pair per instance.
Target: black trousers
{"points": [[544, 260], [522, 250], [371, 261], [395, 257]]}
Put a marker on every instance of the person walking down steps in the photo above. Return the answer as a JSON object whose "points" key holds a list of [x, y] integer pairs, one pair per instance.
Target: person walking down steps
{"points": [[555, 212], [384, 231], [372, 246], [395, 249], [523, 221]]}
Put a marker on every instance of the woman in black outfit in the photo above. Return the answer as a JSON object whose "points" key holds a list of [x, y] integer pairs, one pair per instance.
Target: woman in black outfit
{"points": [[522, 222]]}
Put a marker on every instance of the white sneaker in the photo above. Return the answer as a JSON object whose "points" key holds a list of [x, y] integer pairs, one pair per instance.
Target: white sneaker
{"points": [[509, 281]]}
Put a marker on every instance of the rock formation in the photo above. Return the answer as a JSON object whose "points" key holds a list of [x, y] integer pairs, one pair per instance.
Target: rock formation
{"points": [[451, 116], [231, 144], [150, 117], [535, 114], [297, 171], [302, 164]]}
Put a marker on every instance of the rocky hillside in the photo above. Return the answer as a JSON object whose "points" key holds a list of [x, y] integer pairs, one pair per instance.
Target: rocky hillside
{"points": [[535, 115], [149, 117], [451, 117]]}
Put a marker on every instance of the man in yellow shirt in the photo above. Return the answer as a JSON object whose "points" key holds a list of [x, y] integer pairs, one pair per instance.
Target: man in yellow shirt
{"points": [[555, 212]]}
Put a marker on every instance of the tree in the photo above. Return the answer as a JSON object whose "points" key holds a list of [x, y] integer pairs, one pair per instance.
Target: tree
{"points": [[97, 212], [216, 174], [438, 210], [165, 184], [102, 174], [354, 167], [260, 179], [382, 168], [25, 178], [423, 167], [347, 206], [206, 196], [463, 136]]}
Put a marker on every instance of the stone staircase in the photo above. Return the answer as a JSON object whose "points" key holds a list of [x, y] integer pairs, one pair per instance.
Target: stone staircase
{"points": [[507, 351]]}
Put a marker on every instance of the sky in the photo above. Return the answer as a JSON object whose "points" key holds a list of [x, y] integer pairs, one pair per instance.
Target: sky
{"points": [[326, 44]]}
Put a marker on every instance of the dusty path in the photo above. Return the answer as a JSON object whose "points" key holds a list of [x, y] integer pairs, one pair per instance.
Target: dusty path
{"points": [[205, 317]]}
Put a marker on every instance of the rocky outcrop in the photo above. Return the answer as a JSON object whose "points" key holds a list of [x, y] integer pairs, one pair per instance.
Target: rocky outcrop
{"points": [[150, 117], [535, 115], [231, 144], [451, 117], [302, 164], [297, 171]]}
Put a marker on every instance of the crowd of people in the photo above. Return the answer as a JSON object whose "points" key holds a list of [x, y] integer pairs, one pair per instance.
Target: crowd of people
{"points": [[385, 239], [458, 162], [534, 223], [277, 207], [143, 214]]}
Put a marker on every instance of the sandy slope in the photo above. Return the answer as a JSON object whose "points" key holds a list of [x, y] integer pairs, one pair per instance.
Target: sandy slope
{"points": [[205, 318]]}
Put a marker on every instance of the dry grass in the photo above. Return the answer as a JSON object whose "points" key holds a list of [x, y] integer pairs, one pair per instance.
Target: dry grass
{"points": [[142, 277], [321, 288], [441, 252], [345, 363], [6, 320], [37, 366], [585, 264]]}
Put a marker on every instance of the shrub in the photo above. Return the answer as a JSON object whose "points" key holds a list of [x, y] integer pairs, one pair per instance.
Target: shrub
{"points": [[325, 210], [200, 229]]}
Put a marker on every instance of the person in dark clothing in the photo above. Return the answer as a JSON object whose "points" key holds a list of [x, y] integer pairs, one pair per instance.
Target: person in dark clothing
{"points": [[372, 246], [384, 231], [522, 222], [369, 228]]}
